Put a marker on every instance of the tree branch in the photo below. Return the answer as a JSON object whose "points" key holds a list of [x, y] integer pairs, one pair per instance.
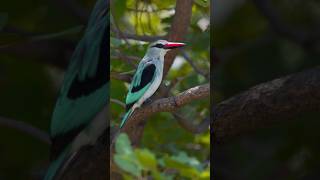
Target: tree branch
{"points": [[121, 76], [194, 66], [26, 128], [169, 104], [128, 59], [268, 103], [116, 101], [192, 127], [91, 162], [150, 11], [179, 28], [125, 57]]}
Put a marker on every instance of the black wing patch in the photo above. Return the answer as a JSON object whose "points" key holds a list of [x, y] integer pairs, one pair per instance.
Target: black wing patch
{"points": [[128, 106], [90, 84], [146, 77]]}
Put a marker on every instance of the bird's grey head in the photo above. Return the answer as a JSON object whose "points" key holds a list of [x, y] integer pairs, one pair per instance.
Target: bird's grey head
{"points": [[161, 47]]}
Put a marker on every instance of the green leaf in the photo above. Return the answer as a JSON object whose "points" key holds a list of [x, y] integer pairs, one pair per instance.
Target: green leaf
{"points": [[184, 158], [203, 3], [115, 42], [118, 8], [161, 176], [127, 177], [190, 172], [205, 175], [128, 163], [123, 145], [172, 163], [203, 138], [186, 166], [147, 159]]}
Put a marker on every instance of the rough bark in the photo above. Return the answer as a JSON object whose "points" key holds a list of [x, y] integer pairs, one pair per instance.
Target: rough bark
{"points": [[90, 163], [268, 103], [169, 104], [179, 28]]}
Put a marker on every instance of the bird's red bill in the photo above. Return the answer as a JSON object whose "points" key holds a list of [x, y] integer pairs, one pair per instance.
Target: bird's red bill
{"points": [[172, 45]]}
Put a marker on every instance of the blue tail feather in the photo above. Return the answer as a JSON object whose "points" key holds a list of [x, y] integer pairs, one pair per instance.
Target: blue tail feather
{"points": [[126, 116], [55, 166]]}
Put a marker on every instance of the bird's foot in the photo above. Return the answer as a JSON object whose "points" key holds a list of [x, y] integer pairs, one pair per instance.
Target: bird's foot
{"points": [[147, 101]]}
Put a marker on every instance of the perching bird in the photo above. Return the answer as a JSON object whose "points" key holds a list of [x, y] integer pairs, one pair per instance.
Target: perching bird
{"points": [[148, 76], [80, 114]]}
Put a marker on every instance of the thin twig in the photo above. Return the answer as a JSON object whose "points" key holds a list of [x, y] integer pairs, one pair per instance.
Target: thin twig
{"points": [[192, 127], [116, 101], [150, 11], [194, 66], [128, 59], [121, 76], [26, 128], [115, 28]]}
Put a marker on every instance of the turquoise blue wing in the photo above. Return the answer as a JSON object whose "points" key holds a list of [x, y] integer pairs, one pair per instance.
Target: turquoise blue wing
{"points": [[141, 82], [85, 89]]}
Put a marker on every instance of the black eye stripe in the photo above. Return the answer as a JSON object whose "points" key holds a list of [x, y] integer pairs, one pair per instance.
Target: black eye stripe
{"points": [[158, 45]]}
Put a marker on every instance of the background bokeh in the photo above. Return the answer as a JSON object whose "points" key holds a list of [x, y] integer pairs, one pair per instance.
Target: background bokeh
{"points": [[250, 49]]}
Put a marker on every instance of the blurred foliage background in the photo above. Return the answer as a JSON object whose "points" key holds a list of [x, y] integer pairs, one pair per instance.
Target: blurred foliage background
{"points": [[37, 39], [169, 151], [249, 51]]}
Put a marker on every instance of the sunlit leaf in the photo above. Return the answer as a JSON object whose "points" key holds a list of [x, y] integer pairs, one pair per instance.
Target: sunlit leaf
{"points": [[115, 42], [123, 145], [205, 175], [128, 163], [183, 168], [118, 8], [146, 158], [184, 158], [203, 3]]}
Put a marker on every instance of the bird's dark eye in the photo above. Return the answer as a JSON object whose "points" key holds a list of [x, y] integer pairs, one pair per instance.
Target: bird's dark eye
{"points": [[158, 45]]}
